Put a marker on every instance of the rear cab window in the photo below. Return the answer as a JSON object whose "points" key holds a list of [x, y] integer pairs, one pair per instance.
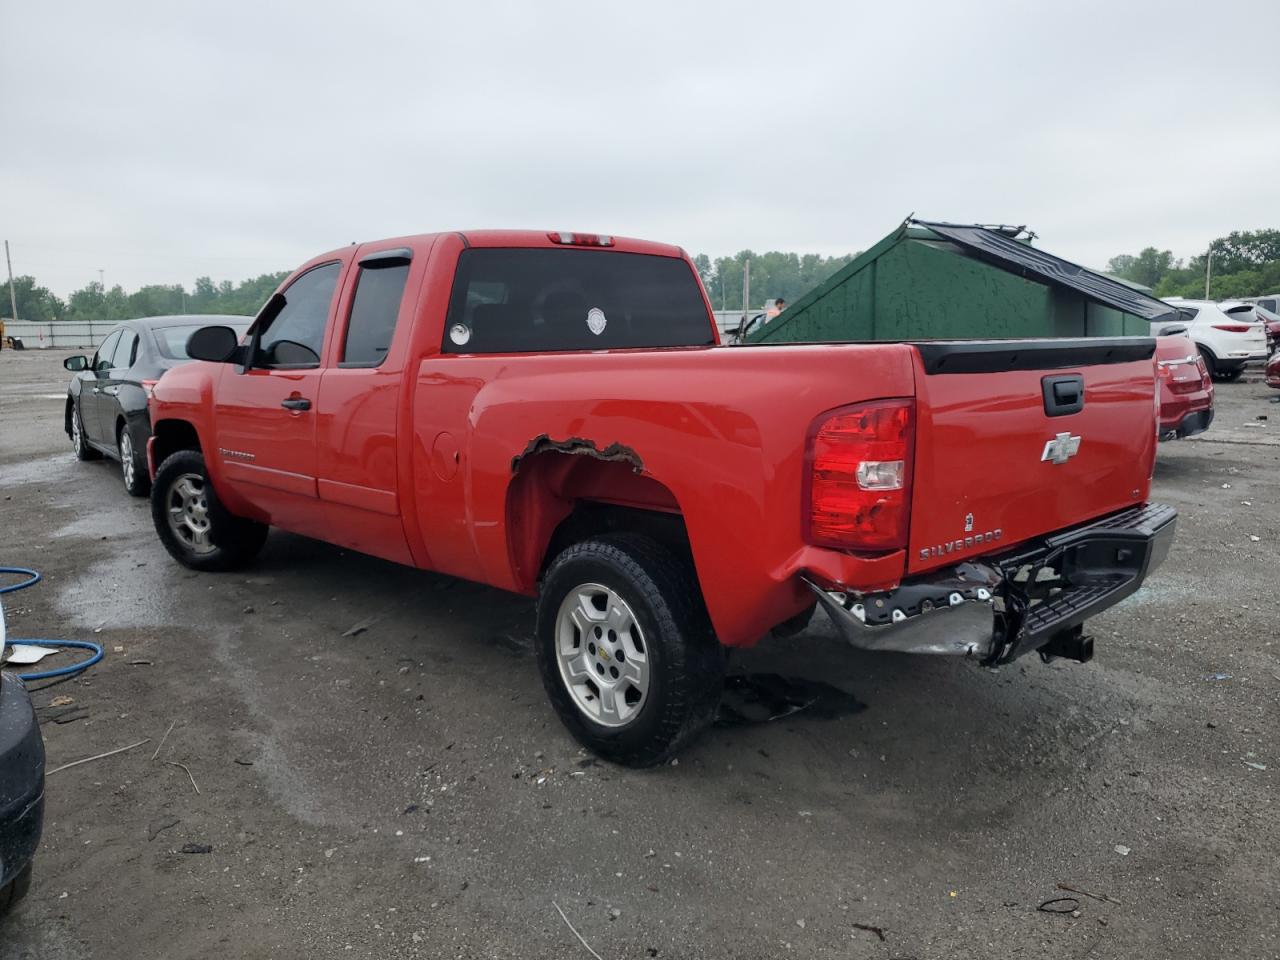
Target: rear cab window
{"points": [[511, 300], [375, 307]]}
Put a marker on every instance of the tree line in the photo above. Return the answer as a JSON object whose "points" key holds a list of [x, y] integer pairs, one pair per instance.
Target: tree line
{"points": [[94, 302], [1244, 264], [773, 274]]}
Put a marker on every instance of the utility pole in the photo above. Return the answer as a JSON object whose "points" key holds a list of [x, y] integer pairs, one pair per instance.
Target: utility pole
{"points": [[1208, 272], [746, 289], [13, 297]]}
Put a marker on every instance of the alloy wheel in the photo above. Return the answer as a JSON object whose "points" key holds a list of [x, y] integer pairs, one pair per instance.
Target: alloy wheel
{"points": [[602, 655], [126, 458], [187, 509]]}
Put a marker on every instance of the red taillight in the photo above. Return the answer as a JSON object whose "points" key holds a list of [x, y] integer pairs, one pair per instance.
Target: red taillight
{"points": [[581, 239], [860, 477], [148, 387], [1232, 327]]}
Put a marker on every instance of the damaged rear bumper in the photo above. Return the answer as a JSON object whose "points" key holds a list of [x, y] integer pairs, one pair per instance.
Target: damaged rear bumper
{"points": [[1031, 598]]}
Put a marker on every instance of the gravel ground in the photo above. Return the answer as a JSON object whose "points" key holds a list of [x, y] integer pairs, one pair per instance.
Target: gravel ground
{"points": [[407, 792]]}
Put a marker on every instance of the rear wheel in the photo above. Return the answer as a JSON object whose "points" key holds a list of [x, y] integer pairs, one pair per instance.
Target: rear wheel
{"points": [[133, 464], [79, 443], [626, 650], [1230, 376], [15, 889], [1210, 362], [194, 527]]}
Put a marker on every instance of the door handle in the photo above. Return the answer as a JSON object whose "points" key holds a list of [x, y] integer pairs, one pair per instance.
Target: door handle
{"points": [[296, 403]]}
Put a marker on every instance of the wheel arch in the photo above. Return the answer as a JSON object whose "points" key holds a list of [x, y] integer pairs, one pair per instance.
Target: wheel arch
{"points": [[170, 436], [558, 498]]}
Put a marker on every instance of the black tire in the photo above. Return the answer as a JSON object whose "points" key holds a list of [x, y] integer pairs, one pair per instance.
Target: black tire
{"points": [[15, 890], [1210, 363], [133, 464], [231, 541], [80, 443], [684, 659]]}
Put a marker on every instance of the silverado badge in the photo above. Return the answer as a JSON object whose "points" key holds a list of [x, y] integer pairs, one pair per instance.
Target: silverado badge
{"points": [[1060, 449]]}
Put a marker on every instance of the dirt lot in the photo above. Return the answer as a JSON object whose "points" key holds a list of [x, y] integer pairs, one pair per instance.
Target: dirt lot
{"points": [[407, 792]]}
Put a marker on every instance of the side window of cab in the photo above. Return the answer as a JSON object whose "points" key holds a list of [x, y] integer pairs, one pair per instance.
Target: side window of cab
{"points": [[294, 337]]}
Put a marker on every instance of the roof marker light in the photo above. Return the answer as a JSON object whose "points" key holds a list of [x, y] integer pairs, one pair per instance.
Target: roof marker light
{"points": [[581, 239]]}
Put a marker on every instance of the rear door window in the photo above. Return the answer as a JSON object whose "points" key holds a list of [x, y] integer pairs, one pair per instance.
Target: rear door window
{"points": [[530, 300], [126, 350], [374, 308], [294, 337], [1268, 305]]}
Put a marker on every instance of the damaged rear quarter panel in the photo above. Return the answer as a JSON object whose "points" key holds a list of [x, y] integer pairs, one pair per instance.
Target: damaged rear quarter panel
{"points": [[723, 429]]}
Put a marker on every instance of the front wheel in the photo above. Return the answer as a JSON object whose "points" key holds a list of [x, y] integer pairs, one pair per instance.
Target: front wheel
{"points": [[194, 527], [79, 443], [133, 465], [626, 650]]}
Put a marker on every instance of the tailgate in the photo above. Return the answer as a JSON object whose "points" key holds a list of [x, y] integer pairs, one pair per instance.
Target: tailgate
{"points": [[1006, 451]]}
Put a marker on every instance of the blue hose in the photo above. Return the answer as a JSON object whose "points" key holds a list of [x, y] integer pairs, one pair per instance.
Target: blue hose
{"points": [[33, 577]]}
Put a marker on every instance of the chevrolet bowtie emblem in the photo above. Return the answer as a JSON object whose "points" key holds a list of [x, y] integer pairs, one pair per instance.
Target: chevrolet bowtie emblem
{"points": [[1060, 449]]}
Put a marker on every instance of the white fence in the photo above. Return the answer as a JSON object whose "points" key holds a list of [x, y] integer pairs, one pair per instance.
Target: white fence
{"points": [[60, 335]]}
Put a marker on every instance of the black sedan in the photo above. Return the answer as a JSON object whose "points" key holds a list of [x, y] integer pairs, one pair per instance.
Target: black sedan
{"points": [[107, 398]]}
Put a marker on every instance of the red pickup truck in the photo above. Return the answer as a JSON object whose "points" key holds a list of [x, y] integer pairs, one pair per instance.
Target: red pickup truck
{"points": [[552, 414]]}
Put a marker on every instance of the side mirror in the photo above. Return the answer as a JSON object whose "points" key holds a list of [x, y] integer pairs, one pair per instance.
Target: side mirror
{"points": [[216, 344], [1172, 331], [76, 364]]}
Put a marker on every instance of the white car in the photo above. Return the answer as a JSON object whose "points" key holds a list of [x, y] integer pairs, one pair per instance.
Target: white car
{"points": [[1229, 334]]}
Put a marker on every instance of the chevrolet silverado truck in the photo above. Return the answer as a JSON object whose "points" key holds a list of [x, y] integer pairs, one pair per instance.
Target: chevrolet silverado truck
{"points": [[552, 414]]}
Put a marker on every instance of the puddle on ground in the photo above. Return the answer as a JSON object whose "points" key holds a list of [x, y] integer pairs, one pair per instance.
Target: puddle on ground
{"points": [[760, 697], [34, 471]]}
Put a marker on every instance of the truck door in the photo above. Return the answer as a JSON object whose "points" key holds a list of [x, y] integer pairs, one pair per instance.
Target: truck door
{"points": [[359, 399], [266, 421]]}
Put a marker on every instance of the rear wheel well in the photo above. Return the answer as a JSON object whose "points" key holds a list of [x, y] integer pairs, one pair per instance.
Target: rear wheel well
{"points": [[170, 436], [590, 519], [557, 499]]}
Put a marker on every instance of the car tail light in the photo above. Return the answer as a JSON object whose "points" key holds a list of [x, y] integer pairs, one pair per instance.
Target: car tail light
{"points": [[581, 239], [1205, 379], [1232, 327], [860, 477], [148, 387]]}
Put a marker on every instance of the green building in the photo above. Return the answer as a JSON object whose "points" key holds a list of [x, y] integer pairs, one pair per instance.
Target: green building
{"points": [[955, 281]]}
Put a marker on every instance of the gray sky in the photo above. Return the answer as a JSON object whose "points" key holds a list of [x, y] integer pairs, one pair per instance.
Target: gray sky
{"points": [[164, 141]]}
